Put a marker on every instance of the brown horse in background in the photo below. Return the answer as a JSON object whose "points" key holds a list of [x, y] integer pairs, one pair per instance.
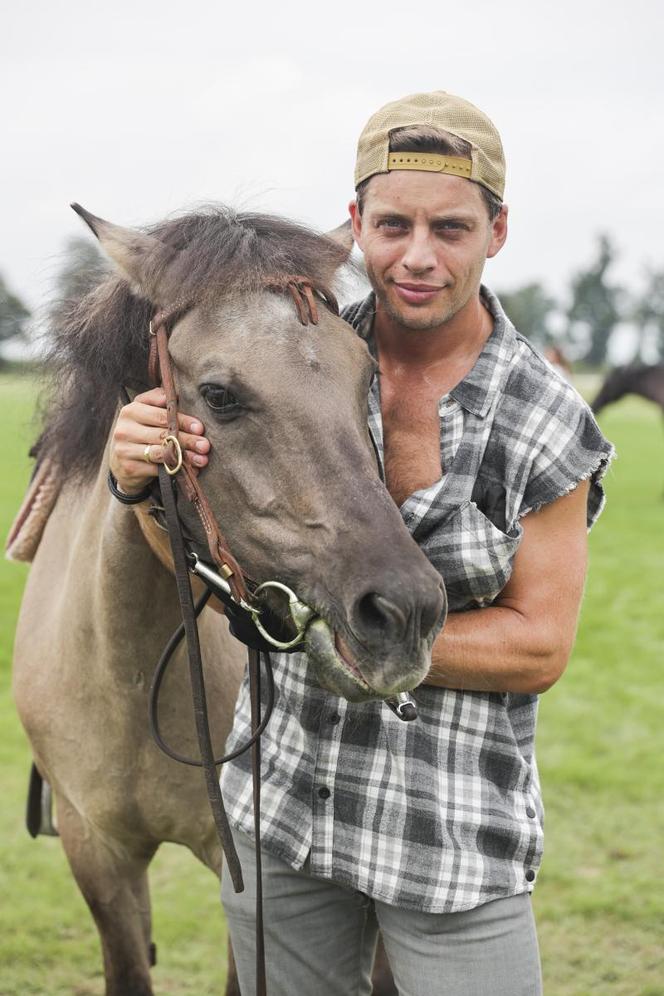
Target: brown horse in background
{"points": [[293, 482], [646, 381]]}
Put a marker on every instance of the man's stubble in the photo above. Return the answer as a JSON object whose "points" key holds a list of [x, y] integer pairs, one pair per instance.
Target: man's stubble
{"points": [[412, 323]]}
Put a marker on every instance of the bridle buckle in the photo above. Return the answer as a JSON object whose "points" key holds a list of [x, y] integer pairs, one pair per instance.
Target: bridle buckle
{"points": [[175, 443]]}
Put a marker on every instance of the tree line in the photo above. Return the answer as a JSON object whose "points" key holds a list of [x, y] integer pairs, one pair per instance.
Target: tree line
{"points": [[581, 324], [584, 322]]}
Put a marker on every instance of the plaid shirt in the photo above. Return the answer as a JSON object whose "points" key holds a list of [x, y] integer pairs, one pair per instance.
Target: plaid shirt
{"points": [[445, 813]]}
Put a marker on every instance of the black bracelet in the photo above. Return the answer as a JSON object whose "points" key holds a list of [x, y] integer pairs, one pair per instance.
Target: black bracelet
{"points": [[127, 499]]}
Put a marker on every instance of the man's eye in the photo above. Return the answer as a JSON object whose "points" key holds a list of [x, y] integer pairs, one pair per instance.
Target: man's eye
{"points": [[392, 224], [220, 400]]}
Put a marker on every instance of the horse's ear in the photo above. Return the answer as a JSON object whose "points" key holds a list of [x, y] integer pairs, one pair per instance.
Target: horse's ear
{"points": [[141, 257], [343, 236]]}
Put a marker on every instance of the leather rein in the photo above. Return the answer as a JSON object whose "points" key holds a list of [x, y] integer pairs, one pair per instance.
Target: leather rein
{"points": [[236, 590], [229, 583]]}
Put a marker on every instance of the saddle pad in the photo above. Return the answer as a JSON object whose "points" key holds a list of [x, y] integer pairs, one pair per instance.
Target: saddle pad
{"points": [[28, 526]]}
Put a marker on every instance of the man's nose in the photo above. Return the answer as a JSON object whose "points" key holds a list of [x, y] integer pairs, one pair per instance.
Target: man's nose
{"points": [[420, 254]]}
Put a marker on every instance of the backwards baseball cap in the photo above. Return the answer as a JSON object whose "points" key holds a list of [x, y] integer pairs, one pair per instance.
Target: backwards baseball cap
{"points": [[444, 112]]}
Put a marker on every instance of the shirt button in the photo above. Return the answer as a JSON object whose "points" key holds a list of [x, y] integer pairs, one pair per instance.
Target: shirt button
{"points": [[334, 718], [530, 875], [324, 793], [530, 812]]}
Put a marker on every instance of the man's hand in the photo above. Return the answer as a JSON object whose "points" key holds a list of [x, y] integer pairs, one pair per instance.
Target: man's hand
{"points": [[143, 423], [522, 642]]}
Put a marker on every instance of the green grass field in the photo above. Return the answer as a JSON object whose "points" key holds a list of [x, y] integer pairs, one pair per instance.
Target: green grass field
{"points": [[600, 896]]}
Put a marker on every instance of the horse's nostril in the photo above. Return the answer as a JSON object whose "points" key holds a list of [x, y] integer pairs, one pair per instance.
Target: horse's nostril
{"points": [[377, 615], [432, 609]]}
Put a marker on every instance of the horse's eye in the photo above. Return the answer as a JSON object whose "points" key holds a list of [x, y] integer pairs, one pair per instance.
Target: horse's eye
{"points": [[220, 400]]}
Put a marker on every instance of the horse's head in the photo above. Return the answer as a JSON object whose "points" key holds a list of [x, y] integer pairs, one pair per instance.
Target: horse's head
{"points": [[636, 378], [616, 384], [292, 477]]}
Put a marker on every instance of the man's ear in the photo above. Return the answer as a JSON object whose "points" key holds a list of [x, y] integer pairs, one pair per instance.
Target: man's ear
{"points": [[355, 222], [498, 232], [140, 257]]}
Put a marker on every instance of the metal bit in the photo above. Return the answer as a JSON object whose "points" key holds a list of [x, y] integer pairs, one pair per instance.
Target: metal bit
{"points": [[403, 706]]}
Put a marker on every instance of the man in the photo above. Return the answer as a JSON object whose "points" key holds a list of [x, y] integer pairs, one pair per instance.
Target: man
{"points": [[431, 831]]}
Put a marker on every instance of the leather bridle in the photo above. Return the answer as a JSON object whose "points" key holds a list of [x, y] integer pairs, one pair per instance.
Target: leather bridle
{"points": [[177, 480], [232, 586]]}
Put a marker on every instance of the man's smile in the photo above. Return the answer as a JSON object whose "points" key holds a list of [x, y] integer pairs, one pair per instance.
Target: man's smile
{"points": [[416, 293]]}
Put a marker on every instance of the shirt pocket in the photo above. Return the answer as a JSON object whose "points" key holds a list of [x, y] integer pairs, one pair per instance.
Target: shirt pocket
{"points": [[474, 557]]}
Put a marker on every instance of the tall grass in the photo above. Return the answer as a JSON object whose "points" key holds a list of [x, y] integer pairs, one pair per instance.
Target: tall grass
{"points": [[600, 898]]}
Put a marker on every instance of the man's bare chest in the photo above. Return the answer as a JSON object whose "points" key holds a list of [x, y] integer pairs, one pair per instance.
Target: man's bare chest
{"points": [[411, 437]]}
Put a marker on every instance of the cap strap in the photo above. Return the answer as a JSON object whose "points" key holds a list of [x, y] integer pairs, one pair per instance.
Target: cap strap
{"points": [[430, 162]]}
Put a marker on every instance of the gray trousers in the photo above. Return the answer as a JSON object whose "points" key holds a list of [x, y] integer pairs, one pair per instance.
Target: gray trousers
{"points": [[320, 939]]}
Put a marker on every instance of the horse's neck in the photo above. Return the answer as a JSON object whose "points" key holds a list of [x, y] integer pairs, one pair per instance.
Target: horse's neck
{"points": [[651, 385], [130, 593]]}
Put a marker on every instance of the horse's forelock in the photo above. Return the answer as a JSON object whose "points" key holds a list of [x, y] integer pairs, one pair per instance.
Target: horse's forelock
{"points": [[222, 252]]}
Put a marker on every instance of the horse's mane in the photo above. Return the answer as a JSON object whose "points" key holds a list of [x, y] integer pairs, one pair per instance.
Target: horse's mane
{"points": [[97, 341]]}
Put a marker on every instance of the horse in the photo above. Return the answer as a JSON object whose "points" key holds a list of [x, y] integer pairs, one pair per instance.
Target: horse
{"points": [[647, 381], [293, 481]]}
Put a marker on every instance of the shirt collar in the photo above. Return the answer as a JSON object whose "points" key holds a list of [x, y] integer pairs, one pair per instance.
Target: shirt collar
{"points": [[476, 391]]}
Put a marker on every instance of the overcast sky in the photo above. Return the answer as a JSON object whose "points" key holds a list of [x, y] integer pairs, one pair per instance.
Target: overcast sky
{"points": [[140, 109]]}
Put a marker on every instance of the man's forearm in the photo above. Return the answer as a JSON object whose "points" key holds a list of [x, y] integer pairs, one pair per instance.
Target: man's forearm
{"points": [[522, 642], [497, 649]]}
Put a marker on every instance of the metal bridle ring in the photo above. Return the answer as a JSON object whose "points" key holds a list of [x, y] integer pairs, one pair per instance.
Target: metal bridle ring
{"points": [[178, 450], [300, 612]]}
